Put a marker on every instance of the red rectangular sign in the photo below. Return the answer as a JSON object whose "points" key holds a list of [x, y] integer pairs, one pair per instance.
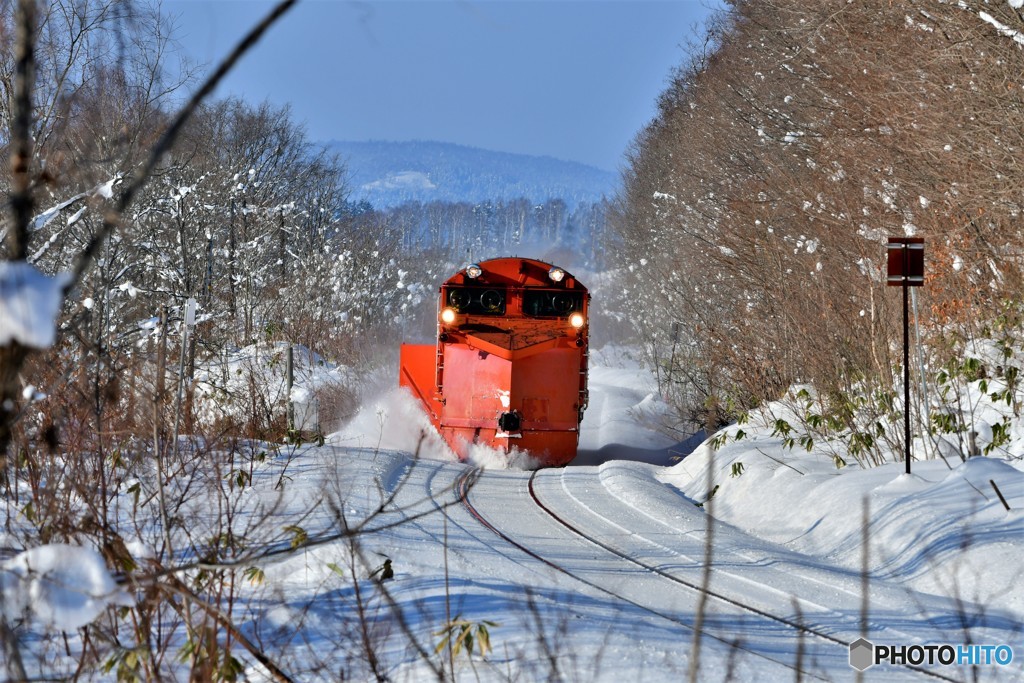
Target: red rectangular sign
{"points": [[906, 262]]}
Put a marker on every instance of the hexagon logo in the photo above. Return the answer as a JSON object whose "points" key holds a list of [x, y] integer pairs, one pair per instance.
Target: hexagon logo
{"points": [[862, 654]]}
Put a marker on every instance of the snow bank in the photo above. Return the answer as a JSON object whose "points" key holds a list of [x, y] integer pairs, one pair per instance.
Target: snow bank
{"points": [[938, 530], [63, 586]]}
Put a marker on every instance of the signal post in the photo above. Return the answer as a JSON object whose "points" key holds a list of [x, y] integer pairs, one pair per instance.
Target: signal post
{"points": [[906, 269]]}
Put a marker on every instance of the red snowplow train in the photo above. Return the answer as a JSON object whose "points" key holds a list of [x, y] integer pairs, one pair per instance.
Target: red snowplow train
{"points": [[509, 366]]}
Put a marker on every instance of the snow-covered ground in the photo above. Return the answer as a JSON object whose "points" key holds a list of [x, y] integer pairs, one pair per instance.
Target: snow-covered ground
{"points": [[593, 572], [943, 554]]}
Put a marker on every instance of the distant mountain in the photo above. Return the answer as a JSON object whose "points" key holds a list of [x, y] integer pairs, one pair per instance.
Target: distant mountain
{"points": [[387, 174]]}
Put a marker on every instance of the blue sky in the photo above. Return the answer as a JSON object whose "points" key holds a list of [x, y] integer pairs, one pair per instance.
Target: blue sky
{"points": [[571, 79]]}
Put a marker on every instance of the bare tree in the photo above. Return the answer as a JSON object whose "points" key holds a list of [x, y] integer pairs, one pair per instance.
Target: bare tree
{"points": [[34, 101], [760, 197]]}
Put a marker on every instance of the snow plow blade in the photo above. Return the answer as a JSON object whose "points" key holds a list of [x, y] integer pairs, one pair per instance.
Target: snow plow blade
{"points": [[417, 367]]}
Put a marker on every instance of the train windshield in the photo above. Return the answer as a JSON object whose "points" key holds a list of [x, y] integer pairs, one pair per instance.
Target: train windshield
{"points": [[543, 303], [477, 300]]}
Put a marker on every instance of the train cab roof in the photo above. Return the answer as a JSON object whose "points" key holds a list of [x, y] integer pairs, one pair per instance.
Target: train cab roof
{"points": [[515, 272]]}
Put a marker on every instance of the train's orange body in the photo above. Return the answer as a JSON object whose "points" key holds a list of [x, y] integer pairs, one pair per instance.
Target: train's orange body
{"points": [[509, 368]]}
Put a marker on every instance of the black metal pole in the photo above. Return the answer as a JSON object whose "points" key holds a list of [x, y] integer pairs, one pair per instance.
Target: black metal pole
{"points": [[906, 369], [289, 370]]}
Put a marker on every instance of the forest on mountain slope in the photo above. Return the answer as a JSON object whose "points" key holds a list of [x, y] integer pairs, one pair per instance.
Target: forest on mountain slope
{"points": [[792, 143], [387, 174]]}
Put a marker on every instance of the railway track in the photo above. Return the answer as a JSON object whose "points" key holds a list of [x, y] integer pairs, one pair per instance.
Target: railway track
{"points": [[463, 488]]}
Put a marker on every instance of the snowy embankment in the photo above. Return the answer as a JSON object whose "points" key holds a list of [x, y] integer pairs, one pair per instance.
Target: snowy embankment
{"points": [[953, 526], [937, 530]]}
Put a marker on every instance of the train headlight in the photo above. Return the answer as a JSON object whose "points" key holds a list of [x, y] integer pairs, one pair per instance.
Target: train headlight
{"points": [[492, 301], [448, 316], [577, 320], [556, 274], [473, 271], [458, 299]]}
